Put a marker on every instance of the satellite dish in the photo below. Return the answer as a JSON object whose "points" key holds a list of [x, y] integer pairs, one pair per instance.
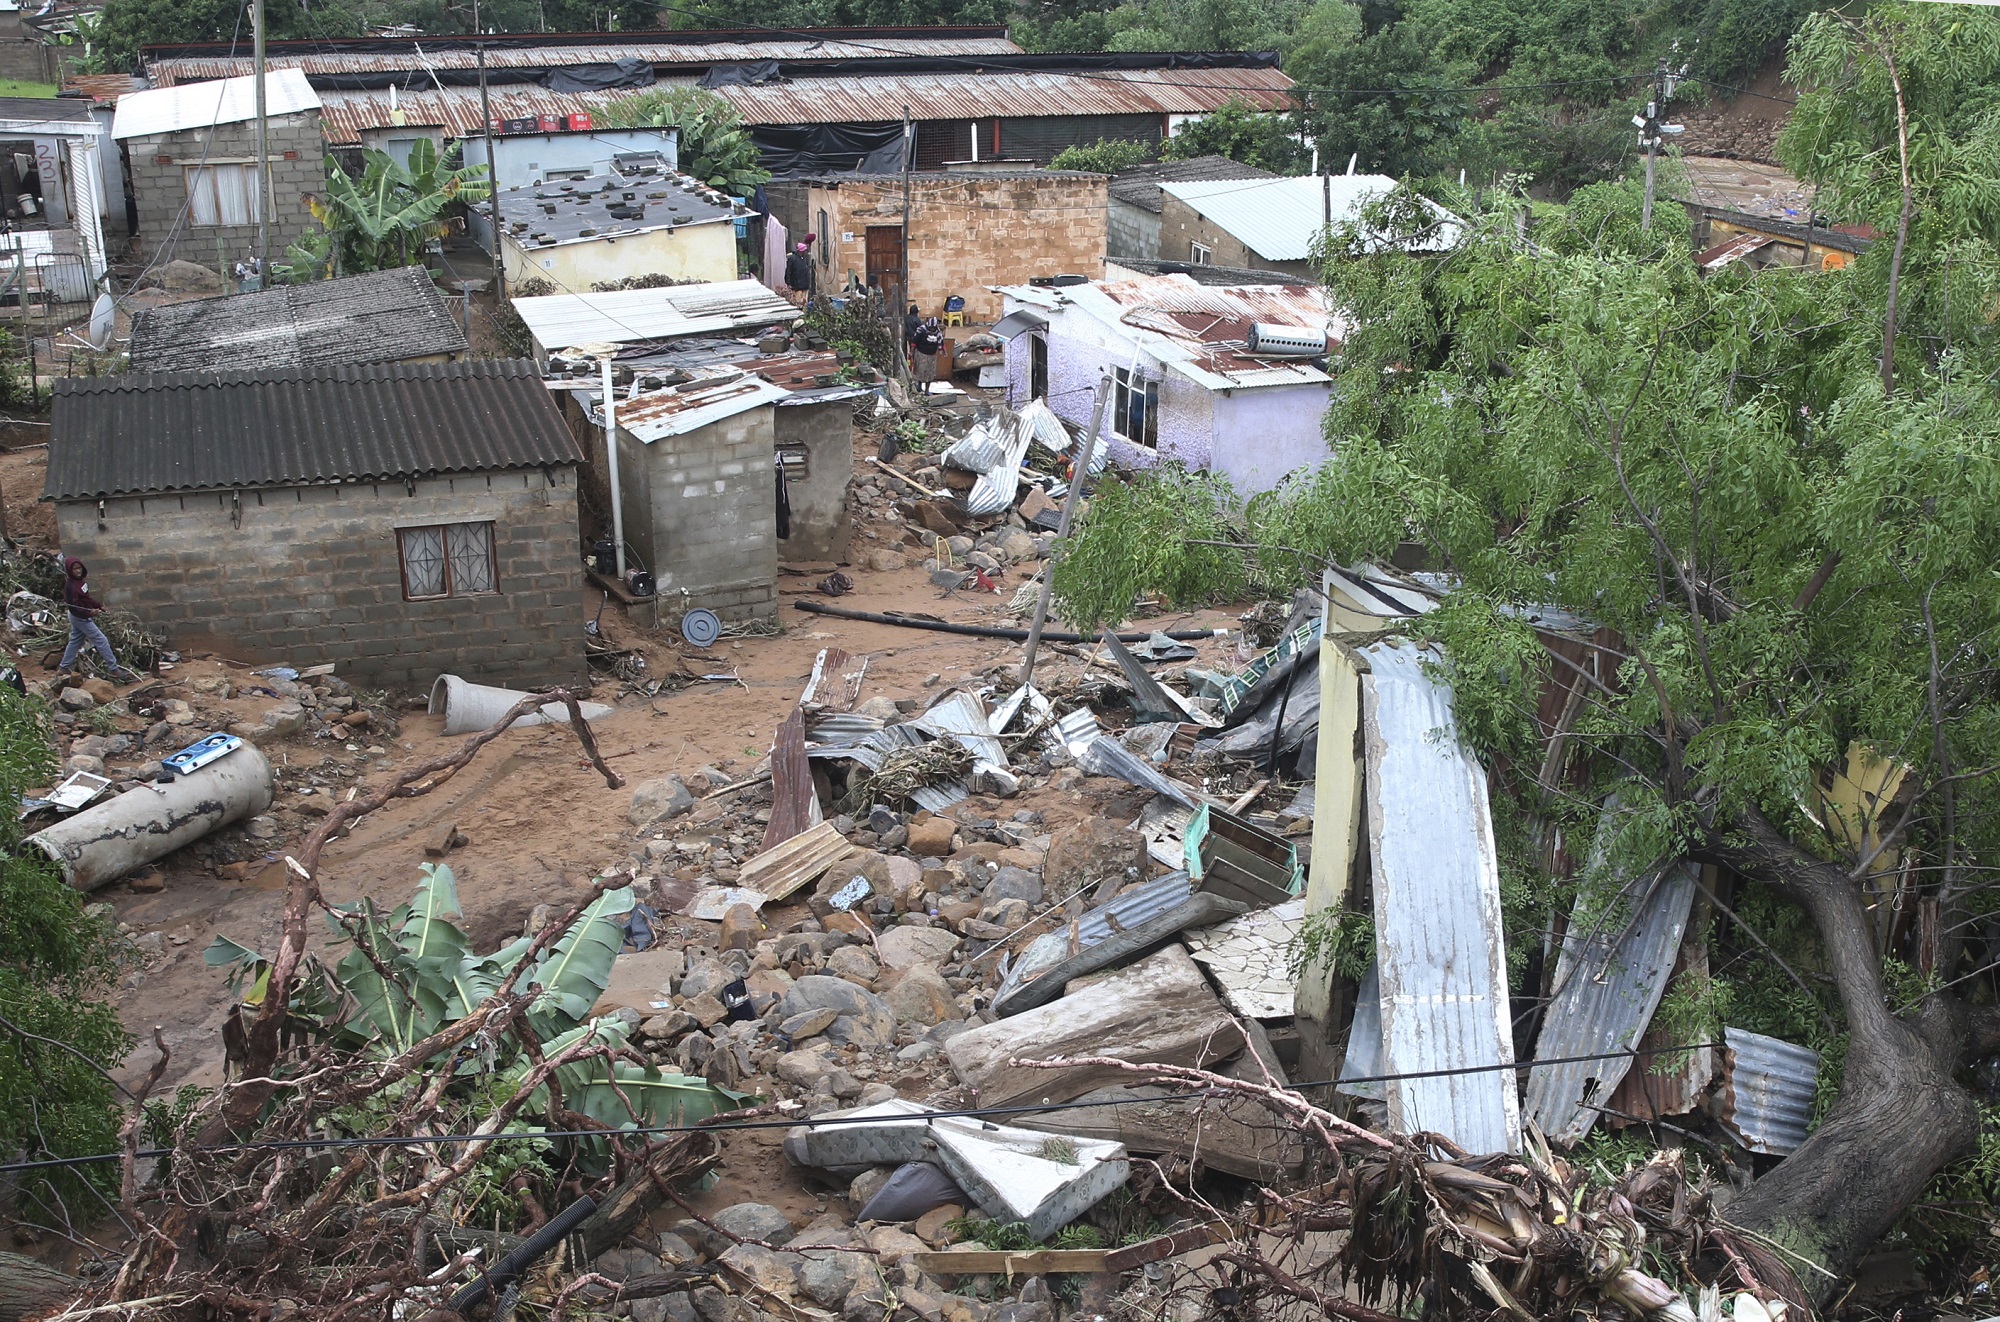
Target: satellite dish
{"points": [[700, 627], [103, 316]]}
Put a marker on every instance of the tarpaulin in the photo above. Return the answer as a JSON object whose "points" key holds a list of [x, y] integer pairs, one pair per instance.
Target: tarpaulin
{"points": [[797, 151], [599, 77], [747, 74]]}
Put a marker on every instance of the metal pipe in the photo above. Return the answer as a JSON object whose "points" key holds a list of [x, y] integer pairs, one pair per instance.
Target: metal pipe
{"points": [[523, 1257], [990, 631], [102, 844], [611, 471], [492, 180], [266, 203]]}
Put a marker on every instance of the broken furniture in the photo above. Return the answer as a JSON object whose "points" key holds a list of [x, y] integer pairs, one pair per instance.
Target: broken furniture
{"points": [[1013, 1174], [1228, 856]]}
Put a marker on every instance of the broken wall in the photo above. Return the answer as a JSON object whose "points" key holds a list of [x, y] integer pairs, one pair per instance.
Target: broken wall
{"points": [[159, 167], [313, 574], [824, 434], [701, 512]]}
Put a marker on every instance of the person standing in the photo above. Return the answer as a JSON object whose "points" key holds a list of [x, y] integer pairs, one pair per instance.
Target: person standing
{"points": [[925, 342], [799, 273], [83, 627]]}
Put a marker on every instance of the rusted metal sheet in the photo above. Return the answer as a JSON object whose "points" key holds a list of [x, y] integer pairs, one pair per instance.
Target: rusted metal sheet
{"points": [[1609, 979], [835, 685], [1767, 1091], [1443, 965], [794, 803], [799, 861]]}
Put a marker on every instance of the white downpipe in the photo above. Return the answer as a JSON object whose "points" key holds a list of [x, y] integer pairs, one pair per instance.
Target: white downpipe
{"points": [[99, 845], [611, 467], [468, 708]]}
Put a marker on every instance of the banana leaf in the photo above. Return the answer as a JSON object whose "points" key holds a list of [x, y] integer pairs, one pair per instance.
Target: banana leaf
{"points": [[479, 976], [574, 974], [659, 1098], [432, 943], [400, 1009]]}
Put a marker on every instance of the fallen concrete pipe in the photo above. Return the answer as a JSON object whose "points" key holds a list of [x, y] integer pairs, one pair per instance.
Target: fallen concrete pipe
{"points": [[469, 708], [98, 846]]}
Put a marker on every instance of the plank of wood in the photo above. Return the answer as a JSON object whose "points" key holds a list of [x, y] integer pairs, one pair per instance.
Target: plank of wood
{"points": [[1158, 1011], [1231, 1134], [997, 1262], [793, 801]]}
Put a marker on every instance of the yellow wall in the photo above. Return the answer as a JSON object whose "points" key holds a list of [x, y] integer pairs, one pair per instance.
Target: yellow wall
{"points": [[687, 252]]}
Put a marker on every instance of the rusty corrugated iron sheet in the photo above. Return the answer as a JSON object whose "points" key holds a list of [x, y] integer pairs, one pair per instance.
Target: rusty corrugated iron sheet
{"points": [[872, 98], [393, 55], [1767, 1091]]}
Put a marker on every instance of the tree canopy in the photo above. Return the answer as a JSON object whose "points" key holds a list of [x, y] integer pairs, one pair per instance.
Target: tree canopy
{"points": [[1794, 561]]}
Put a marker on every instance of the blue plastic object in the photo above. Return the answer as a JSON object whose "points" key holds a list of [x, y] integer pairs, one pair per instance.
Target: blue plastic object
{"points": [[200, 753]]}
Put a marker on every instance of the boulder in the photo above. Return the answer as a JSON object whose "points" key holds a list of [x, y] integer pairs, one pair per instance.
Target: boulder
{"points": [[932, 839], [828, 1276], [759, 1221], [861, 1018], [804, 1069], [906, 947], [854, 964], [1090, 852], [1012, 883], [770, 1271], [741, 928], [654, 800], [812, 1023], [75, 699], [185, 277], [923, 997], [101, 689]]}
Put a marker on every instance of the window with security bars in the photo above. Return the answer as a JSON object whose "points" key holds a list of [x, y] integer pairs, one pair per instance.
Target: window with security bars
{"points": [[447, 560]]}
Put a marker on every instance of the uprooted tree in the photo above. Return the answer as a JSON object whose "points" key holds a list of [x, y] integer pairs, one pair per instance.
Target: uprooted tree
{"points": [[1793, 560]]}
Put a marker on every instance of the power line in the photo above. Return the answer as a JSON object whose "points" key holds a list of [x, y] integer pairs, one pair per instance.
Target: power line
{"points": [[973, 1113]]}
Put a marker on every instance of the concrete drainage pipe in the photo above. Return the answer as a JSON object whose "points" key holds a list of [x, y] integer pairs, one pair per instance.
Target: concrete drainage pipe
{"points": [[99, 845], [470, 708]]}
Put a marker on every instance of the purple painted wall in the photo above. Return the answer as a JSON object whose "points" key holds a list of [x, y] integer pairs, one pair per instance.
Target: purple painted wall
{"points": [[1255, 437]]}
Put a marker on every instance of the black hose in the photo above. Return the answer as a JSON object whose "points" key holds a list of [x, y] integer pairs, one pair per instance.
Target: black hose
{"points": [[523, 1256], [984, 630]]}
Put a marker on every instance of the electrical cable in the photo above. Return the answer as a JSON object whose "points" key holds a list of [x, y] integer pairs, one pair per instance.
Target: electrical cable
{"points": [[971, 1113]]}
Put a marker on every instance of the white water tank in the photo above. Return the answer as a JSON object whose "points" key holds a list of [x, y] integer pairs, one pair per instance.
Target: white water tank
{"points": [[1286, 341]]}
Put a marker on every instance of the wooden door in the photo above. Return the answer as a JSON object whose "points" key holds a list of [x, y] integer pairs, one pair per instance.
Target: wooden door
{"points": [[885, 266]]}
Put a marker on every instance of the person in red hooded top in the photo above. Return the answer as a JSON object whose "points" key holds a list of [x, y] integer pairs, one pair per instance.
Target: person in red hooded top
{"points": [[83, 628]]}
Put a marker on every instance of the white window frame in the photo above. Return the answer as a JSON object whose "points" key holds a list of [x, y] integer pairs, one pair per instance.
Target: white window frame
{"points": [[223, 193], [1125, 384], [1200, 254]]}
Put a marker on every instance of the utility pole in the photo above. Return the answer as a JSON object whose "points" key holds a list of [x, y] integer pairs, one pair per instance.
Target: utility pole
{"points": [[1651, 130], [909, 160], [269, 194], [1078, 472], [492, 181]]}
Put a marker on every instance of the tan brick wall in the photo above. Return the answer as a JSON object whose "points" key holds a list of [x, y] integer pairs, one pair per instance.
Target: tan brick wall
{"points": [[970, 232]]}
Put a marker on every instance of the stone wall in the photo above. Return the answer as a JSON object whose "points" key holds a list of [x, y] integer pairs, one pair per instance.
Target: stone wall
{"points": [[159, 167], [970, 231], [1181, 227], [305, 575], [1134, 232], [701, 510]]}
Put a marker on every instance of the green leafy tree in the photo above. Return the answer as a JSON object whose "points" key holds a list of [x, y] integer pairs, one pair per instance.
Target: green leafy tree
{"points": [[715, 146], [1408, 116], [1105, 156], [58, 1035], [1791, 562], [1242, 133], [384, 218], [125, 26]]}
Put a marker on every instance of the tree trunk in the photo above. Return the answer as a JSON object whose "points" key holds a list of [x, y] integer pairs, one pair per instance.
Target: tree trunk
{"points": [[33, 1289], [1900, 1117]]}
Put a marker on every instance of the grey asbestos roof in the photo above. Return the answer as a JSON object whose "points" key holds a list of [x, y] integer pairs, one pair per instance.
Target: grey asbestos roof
{"points": [[150, 432], [382, 317], [641, 193], [1140, 185]]}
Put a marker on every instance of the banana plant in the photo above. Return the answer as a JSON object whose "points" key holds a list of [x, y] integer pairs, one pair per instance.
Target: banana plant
{"points": [[577, 970], [381, 219]]}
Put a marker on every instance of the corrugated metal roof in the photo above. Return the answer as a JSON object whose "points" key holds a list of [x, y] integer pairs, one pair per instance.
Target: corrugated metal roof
{"points": [[1200, 330], [1140, 184], [1278, 219], [103, 88], [1438, 937], [632, 316], [715, 393], [1767, 1091], [228, 101], [204, 431], [1609, 979], [538, 51], [384, 316], [859, 99]]}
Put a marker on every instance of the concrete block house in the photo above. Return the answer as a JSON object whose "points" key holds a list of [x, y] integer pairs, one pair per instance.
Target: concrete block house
{"points": [[191, 155], [966, 226], [398, 520], [1136, 200], [1187, 384]]}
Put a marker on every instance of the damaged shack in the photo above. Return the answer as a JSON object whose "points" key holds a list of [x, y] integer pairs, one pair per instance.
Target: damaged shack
{"points": [[398, 519]]}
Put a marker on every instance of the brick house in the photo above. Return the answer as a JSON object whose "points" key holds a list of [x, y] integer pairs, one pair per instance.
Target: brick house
{"points": [[969, 229], [1272, 224], [191, 156], [400, 520]]}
